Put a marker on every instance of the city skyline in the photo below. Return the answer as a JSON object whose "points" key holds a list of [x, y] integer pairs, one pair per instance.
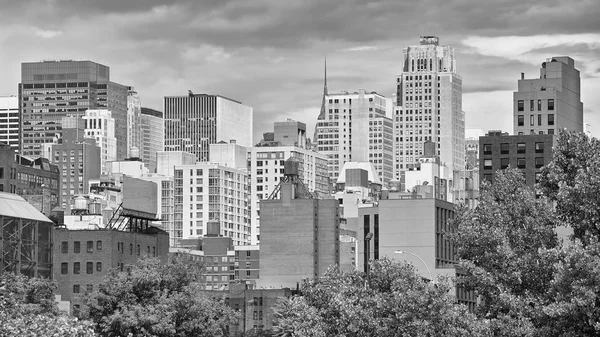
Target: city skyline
{"points": [[259, 53]]}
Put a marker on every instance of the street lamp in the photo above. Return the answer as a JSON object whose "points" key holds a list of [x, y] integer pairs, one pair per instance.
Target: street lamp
{"points": [[418, 257]]}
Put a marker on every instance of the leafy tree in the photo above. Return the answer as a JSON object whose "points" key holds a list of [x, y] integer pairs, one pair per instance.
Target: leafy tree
{"points": [[572, 181], [158, 299], [28, 308], [393, 302]]}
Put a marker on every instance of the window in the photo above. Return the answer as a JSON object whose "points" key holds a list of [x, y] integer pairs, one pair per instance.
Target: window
{"points": [[64, 247], [98, 266], [90, 246], [504, 163], [98, 245], [76, 268], [247, 273], [531, 120], [76, 247], [520, 148], [539, 162], [521, 163], [64, 268], [520, 105], [551, 119], [487, 164], [550, 131], [487, 148], [487, 177], [539, 147], [550, 104], [76, 289], [539, 105], [520, 120], [89, 267], [504, 148], [539, 119], [531, 105], [247, 253], [138, 250]]}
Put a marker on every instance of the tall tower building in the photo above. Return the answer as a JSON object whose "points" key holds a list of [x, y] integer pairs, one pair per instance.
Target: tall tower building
{"points": [[100, 125], [134, 111], [152, 129], [194, 121], [9, 121], [51, 90], [353, 127], [428, 106], [550, 103]]}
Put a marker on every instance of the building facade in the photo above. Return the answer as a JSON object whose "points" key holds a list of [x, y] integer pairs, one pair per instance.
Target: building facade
{"points": [[205, 193], [529, 153], [152, 136], [354, 127], [100, 125], [193, 122], [26, 238], [9, 121], [428, 106], [550, 103], [51, 90], [134, 112]]}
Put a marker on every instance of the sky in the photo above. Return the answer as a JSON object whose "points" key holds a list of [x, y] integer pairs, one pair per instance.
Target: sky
{"points": [[269, 54]]}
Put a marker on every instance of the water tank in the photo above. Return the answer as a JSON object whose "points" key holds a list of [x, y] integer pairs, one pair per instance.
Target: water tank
{"points": [[135, 152], [80, 203]]}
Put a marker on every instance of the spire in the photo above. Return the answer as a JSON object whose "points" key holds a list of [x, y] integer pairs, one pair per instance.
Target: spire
{"points": [[325, 83], [322, 113]]}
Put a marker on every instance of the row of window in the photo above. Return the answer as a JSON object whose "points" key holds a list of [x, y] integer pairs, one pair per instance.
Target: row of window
{"points": [[89, 268], [521, 120], [64, 246], [521, 163], [505, 148], [532, 105]]}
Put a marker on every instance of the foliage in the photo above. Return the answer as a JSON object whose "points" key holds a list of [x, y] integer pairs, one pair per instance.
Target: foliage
{"points": [[28, 308], [572, 180], [158, 299], [393, 302]]}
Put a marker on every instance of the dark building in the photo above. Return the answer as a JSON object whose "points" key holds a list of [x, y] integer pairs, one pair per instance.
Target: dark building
{"points": [[83, 257], [50, 90], [529, 153], [25, 238], [36, 180]]}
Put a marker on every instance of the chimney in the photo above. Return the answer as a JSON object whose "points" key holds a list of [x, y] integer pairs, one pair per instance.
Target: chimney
{"points": [[522, 76]]}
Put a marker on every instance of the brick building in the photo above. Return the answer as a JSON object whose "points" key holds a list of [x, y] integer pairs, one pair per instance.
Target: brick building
{"points": [[83, 257], [529, 153]]}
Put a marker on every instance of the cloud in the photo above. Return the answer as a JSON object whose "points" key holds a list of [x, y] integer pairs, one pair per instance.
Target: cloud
{"points": [[360, 48], [46, 33]]}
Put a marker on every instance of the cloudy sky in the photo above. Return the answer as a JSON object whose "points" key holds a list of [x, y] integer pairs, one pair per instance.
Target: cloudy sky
{"points": [[269, 53]]}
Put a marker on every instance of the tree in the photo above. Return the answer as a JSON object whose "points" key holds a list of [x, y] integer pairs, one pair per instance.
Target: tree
{"points": [[393, 302], [28, 308], [572, 181], [158, 299]]}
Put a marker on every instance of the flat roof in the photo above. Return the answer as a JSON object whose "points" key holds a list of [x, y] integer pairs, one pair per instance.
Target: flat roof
{"points": [[15, 206]]}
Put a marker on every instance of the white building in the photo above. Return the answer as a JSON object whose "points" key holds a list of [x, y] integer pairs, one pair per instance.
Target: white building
{"points": [[152, 127], [167, 160], [9, 121], [210, 192], [134, 110], [194, 121], [266, 168], [428, 106], [353, 127], [100, 125]]}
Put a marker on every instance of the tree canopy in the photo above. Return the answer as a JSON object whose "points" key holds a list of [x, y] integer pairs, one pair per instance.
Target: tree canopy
{"points": [[158, 299]]}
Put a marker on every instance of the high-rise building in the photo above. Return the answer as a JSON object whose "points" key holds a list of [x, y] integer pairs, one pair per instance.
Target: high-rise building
{"points": [[550, 103], [290, 133], [100, 125], [50, 90], [152, 136], [428, 106], [353, 127], [207, 192], [78, 159], [9, 121], [134, 111], [194, 121]]}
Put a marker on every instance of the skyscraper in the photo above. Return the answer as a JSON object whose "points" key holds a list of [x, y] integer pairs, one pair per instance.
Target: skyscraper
{"points": [[353, 127], [194, 121], [9, 121], [428, 106], [152, 136], [134, 110], [550, 103], [100, 125], [51, 90]]}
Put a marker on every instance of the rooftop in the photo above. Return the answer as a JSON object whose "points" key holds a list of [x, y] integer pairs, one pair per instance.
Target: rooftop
{"points": [[14, 206]]}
